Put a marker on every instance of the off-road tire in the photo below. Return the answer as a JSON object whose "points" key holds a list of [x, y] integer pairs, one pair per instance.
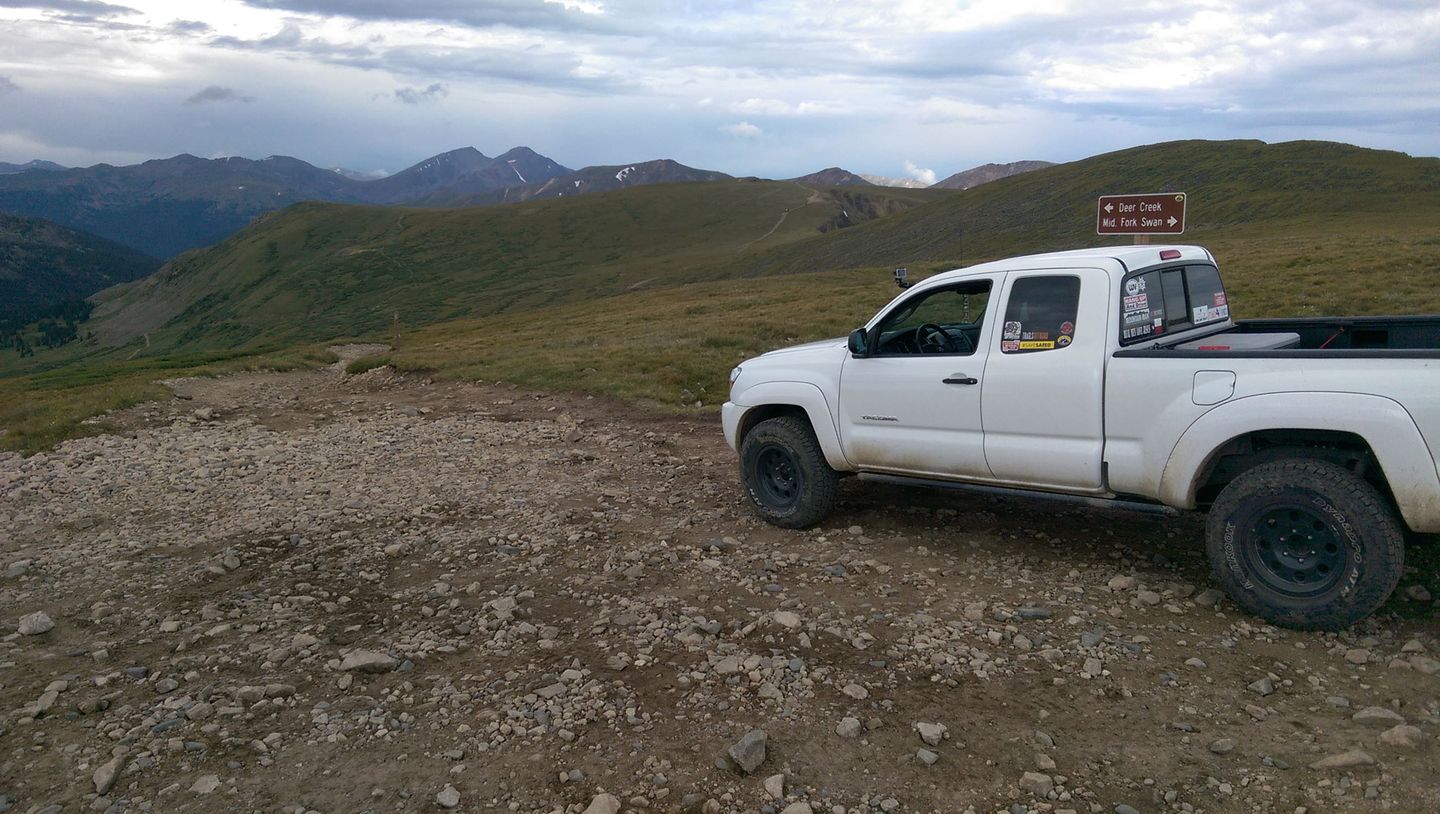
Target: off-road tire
{"points": [[1305, 543], [785, 474]]}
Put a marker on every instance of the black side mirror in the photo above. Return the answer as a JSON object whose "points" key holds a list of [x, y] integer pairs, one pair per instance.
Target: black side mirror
{"points": [[859, 342]]}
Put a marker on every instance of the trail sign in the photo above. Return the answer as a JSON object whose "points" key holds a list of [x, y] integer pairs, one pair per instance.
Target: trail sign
{"points": [[1160, 213]]}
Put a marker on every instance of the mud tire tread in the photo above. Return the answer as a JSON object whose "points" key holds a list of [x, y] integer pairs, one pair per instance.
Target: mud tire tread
{"points": [[1378, 533]]}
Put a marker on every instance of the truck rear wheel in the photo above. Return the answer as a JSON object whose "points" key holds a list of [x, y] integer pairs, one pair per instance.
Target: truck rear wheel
{"points": [[1305, 544], [785, 473]]}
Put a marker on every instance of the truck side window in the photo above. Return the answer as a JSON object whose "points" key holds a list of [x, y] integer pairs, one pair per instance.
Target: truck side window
{"points": [[940, 321], [1040, 315]]}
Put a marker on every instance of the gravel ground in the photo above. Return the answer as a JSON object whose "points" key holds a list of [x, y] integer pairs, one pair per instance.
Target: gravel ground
{"points": [[310, 592]]}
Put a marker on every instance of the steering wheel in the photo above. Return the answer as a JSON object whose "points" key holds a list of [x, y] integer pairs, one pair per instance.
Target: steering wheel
{"points": [[931, 338]]}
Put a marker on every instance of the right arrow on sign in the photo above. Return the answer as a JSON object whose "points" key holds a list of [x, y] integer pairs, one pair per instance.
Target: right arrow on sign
{"points": [[1172, 221]]}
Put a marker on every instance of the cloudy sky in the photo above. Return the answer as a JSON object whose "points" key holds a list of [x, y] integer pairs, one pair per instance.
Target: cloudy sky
{"points": [[774, 87]]}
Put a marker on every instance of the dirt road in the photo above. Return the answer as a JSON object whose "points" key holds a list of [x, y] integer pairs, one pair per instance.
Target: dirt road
{"points": [[308, 592]]}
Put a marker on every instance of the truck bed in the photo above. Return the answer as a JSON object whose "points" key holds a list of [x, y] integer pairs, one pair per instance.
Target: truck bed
{"points": [[1331, 337]]}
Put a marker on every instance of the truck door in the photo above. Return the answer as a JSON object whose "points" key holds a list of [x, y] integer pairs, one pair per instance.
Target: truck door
{"points": [[1045, 384], [912, 405]]}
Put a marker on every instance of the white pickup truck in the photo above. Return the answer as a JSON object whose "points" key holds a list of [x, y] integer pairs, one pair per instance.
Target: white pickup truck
{"points": [[1116, 376]]}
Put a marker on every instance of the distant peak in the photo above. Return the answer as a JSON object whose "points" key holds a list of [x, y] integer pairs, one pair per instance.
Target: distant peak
{"points": [[463, 152]]}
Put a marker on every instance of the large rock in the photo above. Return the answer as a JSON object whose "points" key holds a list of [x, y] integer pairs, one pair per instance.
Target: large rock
{"points": [[749, 752], [1403, 736], [367, 661], [105, 776], [932, 734], [1037, 784], [1378, 715], [786, 619], [775, 786], [448, 797], [603, 804], [1344, 760], [33, 624]]}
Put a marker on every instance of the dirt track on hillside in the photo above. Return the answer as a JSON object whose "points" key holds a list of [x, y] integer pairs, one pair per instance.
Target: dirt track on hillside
{"points": [[311, 592]]}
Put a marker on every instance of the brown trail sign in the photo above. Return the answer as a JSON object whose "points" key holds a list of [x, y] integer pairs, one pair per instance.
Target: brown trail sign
{"points": [[1160, 213]]}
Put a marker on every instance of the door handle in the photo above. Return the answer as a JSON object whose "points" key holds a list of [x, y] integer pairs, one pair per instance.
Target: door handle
{"points": [[961, 379]]}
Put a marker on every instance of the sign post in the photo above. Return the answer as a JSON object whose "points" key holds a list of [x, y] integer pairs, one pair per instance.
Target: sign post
{"points": [[1159, 213]]}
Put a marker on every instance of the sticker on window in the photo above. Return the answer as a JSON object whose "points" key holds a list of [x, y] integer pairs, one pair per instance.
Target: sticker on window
{"points": [[1207, 313], [1012, 331], [1036, 345], [1009, 346]]}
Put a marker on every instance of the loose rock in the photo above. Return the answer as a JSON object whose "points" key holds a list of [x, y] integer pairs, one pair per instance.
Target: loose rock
{"points": [[749, 752], [1344, 760], [33, 624], [367, 661], [448, 797]]}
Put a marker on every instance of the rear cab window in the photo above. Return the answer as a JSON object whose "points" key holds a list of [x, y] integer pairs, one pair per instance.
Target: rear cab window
{"points": [[1164, 301]]}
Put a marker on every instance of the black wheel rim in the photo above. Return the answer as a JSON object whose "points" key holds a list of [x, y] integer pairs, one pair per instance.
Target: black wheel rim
{"points": [[777, 476], [1292, 549]]}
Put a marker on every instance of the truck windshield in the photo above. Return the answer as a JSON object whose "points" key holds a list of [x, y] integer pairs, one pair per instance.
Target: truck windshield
{"points": [[1163, 301]]}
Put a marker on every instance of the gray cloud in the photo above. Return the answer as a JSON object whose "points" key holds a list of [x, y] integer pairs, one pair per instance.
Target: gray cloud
{"points": [[83, 9], [217, 93], [478, 13], [7, 86], [183, 27], [518, 65], [291, 39], [433, 92]]}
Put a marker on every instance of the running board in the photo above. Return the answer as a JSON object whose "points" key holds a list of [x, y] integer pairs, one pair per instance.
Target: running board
{"points": [[1119, 504]]}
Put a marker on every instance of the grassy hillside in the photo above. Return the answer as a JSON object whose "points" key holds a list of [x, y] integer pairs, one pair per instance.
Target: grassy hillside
{"points": [[1247, 189], [318, 271]]}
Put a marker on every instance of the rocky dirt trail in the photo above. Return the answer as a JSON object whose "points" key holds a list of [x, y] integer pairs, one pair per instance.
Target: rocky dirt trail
{"points": [[311, 592]]}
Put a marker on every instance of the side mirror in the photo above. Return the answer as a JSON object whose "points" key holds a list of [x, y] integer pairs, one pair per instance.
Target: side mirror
{"points": [[859, 342]]}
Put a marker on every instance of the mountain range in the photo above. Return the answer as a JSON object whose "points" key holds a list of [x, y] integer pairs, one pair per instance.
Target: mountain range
{"points": [[986, 173], [29, 166], [167, 206], [321, 270]]}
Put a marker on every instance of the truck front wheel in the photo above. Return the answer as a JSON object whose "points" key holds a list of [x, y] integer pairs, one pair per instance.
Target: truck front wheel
{"points": [[1305, 544], [785, 473]]}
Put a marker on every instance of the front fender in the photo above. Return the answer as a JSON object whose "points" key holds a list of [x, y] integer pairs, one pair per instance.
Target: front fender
{"points": [[804, 395], [1399, 448]]}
